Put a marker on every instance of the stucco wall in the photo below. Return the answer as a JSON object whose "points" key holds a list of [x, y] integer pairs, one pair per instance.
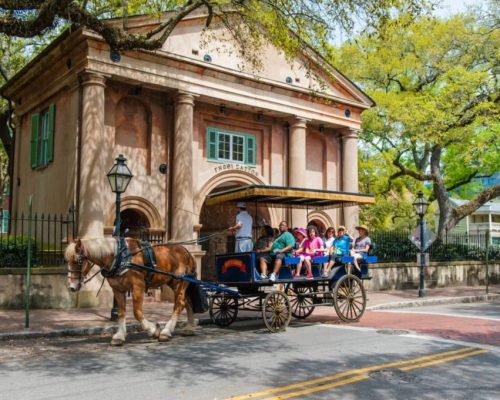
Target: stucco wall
{"points": [[52, 186], [391, 276]]}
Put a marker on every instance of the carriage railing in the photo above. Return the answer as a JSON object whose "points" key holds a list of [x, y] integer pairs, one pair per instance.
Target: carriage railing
{"points": [[50, 234]]}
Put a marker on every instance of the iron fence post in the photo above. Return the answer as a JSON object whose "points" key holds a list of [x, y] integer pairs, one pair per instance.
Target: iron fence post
{"points": [[486, 261], [28, 269]]}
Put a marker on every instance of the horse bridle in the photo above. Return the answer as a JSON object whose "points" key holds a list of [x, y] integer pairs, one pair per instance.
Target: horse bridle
{"points": [[79, 262]]}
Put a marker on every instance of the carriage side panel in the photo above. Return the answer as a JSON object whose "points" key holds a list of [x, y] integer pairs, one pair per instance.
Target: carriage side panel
{"points": [[235, 268]]}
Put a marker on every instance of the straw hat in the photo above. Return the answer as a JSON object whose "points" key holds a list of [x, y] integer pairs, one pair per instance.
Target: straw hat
{"points": [[363, 227], [341, 228]]}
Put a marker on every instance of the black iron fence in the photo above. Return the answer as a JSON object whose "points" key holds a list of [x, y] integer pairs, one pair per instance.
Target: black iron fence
{"points": [[393, 246], [50, 234]]}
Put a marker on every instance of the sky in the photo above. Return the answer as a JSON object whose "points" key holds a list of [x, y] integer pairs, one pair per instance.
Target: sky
{"points": [[445, 9], [450, 7]]}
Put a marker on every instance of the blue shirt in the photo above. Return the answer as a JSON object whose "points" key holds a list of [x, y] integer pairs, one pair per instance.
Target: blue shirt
{"points": [[342, 244]]}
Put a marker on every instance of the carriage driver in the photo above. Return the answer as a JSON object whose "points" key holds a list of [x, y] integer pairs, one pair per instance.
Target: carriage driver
{"points": [[281, 248], [242, 229]]}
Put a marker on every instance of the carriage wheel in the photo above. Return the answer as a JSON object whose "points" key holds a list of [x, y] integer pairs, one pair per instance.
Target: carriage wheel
{"points": [[301, 301], [223, 309], [276, 311], [349, 298]]}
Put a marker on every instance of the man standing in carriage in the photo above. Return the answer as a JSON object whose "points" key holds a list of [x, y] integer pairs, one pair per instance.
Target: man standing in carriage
{"points": [[243, 230]]}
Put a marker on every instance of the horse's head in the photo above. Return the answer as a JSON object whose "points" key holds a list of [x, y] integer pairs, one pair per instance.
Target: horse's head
{"points": [[78, 265]]}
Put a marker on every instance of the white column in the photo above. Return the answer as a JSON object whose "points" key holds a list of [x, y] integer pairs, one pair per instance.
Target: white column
{"points": [[297, 164], [93, 170], [182, 169], [350, 174]]}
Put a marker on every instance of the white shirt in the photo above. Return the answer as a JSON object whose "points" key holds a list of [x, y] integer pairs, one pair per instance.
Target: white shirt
{"points": [[245, 220]]}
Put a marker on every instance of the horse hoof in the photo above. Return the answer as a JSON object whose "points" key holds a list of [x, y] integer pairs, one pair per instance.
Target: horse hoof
{"points": [[188, 333], [117, 342], [156, 335], [164, 338]]}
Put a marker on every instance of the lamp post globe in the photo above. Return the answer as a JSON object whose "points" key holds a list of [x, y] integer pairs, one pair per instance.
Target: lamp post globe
{"points": [[119, 177], [421, 205]]}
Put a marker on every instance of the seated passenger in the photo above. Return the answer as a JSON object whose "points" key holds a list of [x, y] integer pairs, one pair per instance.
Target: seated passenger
{"points": [[361, 245], [313, 246], [329, 250], [342, 242], [300, 237], [281, 248], [265, 241]]}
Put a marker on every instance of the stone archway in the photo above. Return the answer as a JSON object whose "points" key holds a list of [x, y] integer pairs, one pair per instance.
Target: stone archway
{"points": [[320, 220], [216, 219], [139, 216]]}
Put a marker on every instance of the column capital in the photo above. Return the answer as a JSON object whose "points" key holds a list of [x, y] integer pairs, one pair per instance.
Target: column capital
{"points": [[185, 98], [350, 133], [298, 122], [93, 78]]}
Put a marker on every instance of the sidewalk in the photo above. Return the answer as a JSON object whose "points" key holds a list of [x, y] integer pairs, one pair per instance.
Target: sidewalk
{"points": [[91, 321]]}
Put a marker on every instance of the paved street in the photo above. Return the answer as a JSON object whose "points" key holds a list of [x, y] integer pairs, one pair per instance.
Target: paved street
{"points": [[309, 361]]}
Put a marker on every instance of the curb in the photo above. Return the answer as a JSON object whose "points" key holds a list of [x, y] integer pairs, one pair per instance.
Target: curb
{"points": [[435, 301], [91, 331]]}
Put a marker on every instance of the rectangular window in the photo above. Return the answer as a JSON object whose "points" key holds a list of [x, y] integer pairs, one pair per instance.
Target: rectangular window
{"points": [[227, 146], [42, 137]]}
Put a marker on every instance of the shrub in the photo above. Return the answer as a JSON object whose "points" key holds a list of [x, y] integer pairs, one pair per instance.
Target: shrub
{"points": [[14, 251]]}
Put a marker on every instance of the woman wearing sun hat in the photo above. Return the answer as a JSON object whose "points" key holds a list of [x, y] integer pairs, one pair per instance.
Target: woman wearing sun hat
{"points": [[361, 245]]}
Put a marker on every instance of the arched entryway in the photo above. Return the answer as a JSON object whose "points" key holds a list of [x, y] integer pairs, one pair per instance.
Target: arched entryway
{"points": [[216, 219], [139, 219]]}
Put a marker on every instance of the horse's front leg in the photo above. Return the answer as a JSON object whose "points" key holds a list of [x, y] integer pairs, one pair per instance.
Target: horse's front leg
{"points": [[119, 337], [138, 301]]}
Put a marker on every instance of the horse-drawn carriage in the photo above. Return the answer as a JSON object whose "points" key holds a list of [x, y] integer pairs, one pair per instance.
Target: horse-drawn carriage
{"points": [[288, 296], [132, 266]]}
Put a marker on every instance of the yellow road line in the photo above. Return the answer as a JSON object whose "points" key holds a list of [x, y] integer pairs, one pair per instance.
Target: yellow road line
{"points": [[443, 360], [356, 378], [300, 385]]}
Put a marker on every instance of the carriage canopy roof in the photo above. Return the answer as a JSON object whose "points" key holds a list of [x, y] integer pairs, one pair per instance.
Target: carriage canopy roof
{"points": [[279, 196]]}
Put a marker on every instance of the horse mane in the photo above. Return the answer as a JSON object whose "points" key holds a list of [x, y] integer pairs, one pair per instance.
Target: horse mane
{"points": [[93, 247]]}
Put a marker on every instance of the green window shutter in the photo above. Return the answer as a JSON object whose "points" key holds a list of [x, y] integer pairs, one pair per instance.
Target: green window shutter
{"points": [[34, 141], [250, 149], [211, 145], [50, 133]]}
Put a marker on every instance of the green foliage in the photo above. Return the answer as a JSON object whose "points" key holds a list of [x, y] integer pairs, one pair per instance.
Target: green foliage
{"points": [[435, 84], [14, 250], [395, 246]]}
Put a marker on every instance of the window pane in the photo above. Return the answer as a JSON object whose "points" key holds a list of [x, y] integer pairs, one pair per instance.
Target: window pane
{"points": [[224, 149], [238, 148]]}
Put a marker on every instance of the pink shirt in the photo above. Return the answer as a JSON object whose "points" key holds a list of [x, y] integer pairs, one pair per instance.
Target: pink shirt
{"points": [[311, 246]]}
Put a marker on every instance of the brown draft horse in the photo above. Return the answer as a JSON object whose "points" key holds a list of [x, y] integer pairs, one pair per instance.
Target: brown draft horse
{"points": [[84, 253]]}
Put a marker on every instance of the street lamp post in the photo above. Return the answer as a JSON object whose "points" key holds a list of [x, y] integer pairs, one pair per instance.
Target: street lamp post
{"points": [[119, 176], [421, 205]]}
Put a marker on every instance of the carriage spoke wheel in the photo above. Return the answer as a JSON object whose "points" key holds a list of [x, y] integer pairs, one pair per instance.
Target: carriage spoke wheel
{"points": [[276, 311], [349, 298], [301, 301], [223, 309]]}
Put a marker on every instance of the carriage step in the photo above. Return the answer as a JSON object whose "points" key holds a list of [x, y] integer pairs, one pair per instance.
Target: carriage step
{"points": [[366, 277]]}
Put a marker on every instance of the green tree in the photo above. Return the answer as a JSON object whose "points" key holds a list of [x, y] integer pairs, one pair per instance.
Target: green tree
{"points": [[436, 86]]}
